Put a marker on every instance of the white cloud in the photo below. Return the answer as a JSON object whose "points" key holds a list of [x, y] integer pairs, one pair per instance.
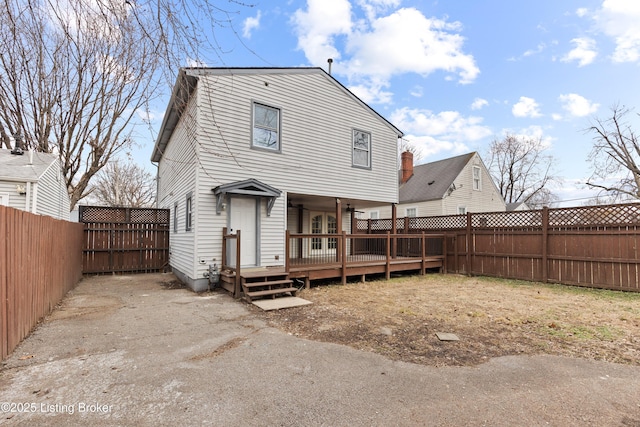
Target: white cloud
{"points": [[478, 103], [584, 51], [372, 93], [526, 107], [377, 48], [577, 106], [406, 41], [319, 25], [619, 19], [444, 131], [531, 132], [582, 11], [251, 24], [417, 91]]}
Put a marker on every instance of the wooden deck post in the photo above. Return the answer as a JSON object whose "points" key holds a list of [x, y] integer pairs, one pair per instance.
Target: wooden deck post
{"points": [[287, 250], [343, 244], [394, 218], [236, 291], [388, 257]]}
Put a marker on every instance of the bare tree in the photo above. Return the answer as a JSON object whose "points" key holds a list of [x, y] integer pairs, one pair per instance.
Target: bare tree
{"points": [[121, 184], [522, 170], [615, 156], [75, 77], [405, 145]]}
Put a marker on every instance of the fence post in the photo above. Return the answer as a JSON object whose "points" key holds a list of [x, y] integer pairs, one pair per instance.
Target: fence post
{"points": [[469, 245], [424, 254], [545, 243]]}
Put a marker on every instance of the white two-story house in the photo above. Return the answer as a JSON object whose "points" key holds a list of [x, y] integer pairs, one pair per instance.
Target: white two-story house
{"points": [[266, 150]]}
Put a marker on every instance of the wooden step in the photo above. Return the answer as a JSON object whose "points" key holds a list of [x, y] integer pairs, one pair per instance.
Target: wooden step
{"points": [[269, 283], [270, 292]]}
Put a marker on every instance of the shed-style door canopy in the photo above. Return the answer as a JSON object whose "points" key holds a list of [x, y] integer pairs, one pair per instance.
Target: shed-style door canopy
{"points": [[249, 187]]}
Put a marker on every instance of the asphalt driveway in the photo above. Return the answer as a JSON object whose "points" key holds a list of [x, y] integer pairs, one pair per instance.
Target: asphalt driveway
{"points": [[137, 350]]}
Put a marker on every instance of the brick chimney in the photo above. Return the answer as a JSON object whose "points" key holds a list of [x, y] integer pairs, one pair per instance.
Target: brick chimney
{"points": [[407, 166]]}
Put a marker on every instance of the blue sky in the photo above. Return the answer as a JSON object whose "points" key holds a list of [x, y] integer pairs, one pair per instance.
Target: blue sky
{"points": [[454, 75]]}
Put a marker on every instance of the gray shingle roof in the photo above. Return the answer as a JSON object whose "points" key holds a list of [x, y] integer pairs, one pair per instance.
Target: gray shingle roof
{"points": [[18, 168], [430, 181]]}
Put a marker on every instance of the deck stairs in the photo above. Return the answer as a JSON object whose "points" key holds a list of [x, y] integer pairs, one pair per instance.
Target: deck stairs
{"points": [[259, 283], [263, 283]]}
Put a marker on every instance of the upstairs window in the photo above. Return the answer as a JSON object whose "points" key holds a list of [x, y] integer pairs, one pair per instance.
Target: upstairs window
{"points": [[477, 184], [175, 217], [188, 215], [361, 149], [266, 127]]}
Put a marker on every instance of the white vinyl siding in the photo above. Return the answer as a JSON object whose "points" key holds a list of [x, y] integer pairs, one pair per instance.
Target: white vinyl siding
{"points": [[51, 194], [177, 172], [313, 131]]}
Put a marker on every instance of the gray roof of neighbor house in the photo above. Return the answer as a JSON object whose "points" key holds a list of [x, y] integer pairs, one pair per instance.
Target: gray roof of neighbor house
{"points": [[27, 167], [188, 79], [430, 181], [516, 205]]}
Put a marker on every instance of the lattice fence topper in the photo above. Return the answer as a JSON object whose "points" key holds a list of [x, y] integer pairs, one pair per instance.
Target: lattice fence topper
{"points": [[626, 214], [584, 216], [105, 214]]}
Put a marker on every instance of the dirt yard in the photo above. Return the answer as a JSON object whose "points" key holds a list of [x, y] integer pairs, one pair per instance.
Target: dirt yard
{"points": [[491, 317]]}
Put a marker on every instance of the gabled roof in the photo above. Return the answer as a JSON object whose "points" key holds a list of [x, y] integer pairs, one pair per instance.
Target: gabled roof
{"points": [[188, 79], [28, 167], [431, 181]]}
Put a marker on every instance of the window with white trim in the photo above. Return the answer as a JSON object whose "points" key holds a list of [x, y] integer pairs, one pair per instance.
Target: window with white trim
{"points": [[462, 210], [361, 145], [374, 215], [266, 127], [175, 217], [411, 212], [188, 214], [477, 184]]}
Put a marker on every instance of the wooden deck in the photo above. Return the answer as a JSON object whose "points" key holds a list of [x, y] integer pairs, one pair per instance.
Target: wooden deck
{"points": [[333, 256]]}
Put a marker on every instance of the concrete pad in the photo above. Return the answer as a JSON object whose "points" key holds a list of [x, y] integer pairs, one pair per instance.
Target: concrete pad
{"points": [[446, 336], [278, 303]]}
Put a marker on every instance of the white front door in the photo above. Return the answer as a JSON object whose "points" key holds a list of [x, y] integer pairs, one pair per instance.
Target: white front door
{"points": [[323, 223], [243, 216]]}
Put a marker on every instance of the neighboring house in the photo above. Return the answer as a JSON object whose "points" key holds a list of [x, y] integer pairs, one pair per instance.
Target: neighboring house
{"points": [[33, 182], [518, 206], [451, 186], [263, 151]]}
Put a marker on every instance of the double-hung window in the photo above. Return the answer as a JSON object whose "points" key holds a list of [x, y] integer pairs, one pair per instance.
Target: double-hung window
{"points": [[477, 184], [266, 127], [175, 217], [188, 214], [361, 149]]}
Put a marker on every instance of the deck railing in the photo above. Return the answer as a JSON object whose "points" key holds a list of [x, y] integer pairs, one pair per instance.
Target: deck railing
{"points": [[317, 251]]}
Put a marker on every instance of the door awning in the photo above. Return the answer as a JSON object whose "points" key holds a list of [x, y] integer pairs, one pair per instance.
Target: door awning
{"points": [[249, 187]]}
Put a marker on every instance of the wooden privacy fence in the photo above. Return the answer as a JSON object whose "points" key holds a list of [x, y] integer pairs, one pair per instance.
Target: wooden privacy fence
{"points": [[41, 259], [593, 246], [124, 240]]}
